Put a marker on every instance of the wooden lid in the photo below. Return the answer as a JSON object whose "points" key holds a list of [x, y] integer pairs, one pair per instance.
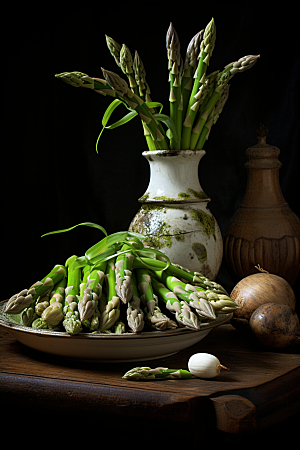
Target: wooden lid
{"points": [[262, 155]]}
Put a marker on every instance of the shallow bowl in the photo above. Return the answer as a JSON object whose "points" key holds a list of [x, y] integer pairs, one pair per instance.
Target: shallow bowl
{"points": [[104, 347]]}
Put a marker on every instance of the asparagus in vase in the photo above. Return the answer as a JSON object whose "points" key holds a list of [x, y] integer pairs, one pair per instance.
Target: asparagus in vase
{"points": [[206, 49], [189, 68], [136, 103], [223, 78], [175, 66], [183, 313]]}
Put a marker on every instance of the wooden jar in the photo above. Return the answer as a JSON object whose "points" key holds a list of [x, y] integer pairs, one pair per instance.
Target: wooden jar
{"points": [[264, 230]]}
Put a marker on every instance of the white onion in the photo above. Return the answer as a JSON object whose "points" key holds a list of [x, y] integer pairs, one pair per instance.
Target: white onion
{"points": [[205, 365]]}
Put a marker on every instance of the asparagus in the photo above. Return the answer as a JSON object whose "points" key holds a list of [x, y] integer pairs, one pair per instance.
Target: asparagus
{"points": [[123, 270], [136, 103], [188, 293], [206, 49], [26, 297], [92, 290], [223, 78], [114, 49], [146, 374], [135, 315], [111, 312], [190, 65], [153, 314], [58, 294], [183, 313], [195, 278], [175, 66], [71, 322]]}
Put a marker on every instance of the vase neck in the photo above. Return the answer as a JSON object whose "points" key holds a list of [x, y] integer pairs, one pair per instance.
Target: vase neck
{"points": [[174, 177]]}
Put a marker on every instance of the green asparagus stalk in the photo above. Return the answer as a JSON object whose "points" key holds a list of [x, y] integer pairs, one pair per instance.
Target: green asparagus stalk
{"points": [[136, 103], [123, 271], [223, 78], [153, 314], [92, 292], [111, 313], [188, 293], [183, 313], [114, 48], [58, 294], [190, 65], [27, 297], [135, 315], [175, 66], [42, 303], [119, 327], [146, 374], [195, 278], [71, 322], [206, 49], [212, 118]]}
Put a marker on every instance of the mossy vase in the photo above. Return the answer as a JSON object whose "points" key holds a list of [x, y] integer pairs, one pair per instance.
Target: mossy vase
{"points": [[174, 215]]}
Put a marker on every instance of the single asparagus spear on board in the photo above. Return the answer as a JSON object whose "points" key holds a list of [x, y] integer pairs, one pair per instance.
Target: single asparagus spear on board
{"points": [[148, 374]]}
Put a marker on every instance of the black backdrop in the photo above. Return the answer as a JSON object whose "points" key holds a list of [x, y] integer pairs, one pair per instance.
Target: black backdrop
{"points": [[52, 177]]}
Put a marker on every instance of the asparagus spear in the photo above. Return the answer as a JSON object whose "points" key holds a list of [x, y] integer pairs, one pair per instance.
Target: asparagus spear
{"points": [[190, 65], [146, 374], [223, 78], [124, 262], [175, 66], [114, 48], [188, 293], [206, 49], [71, 322], [135, 315], [26, 297], [183, 313], [153, 314], [136, 103], [111, 313], [91, 292], [194, 278]]}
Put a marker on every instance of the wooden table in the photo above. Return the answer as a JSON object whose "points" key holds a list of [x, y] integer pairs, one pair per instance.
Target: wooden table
{"points": [[259, 393]]}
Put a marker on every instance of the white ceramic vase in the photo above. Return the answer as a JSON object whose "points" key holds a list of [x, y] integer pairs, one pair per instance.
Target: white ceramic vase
{"points": [[174, 214]]}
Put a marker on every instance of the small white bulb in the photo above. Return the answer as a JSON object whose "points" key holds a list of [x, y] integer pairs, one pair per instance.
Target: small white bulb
{"points": [[205, 365]]}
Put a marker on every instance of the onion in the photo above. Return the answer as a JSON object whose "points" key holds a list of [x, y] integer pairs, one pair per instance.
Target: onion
{"points": [[258, 289]]}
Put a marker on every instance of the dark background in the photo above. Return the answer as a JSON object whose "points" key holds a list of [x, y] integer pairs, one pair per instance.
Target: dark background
{"points": [[52, 177]]}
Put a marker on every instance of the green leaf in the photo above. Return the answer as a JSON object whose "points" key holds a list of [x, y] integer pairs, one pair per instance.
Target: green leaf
{"points": [[110, 240], [89, 224], [155, 105], [170, 124]]}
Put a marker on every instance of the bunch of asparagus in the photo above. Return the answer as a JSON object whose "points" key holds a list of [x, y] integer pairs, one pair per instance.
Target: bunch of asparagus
{"points": [[196, 97], [119, 286]]}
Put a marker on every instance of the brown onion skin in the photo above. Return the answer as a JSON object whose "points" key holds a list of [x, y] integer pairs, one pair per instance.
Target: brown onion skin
{"points": [[259, 289], [274, 325]]}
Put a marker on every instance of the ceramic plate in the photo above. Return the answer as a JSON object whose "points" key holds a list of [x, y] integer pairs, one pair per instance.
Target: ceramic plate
{"points": [[109, 347]]}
